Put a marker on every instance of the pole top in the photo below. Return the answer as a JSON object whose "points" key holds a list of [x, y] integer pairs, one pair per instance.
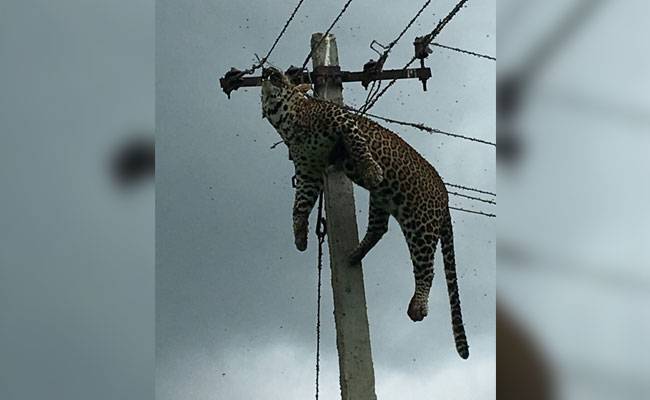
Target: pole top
{"points": [[324, 50]]}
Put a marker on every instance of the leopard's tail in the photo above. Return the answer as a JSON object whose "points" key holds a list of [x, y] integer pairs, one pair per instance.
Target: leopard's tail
{"points": [[447, 240]]}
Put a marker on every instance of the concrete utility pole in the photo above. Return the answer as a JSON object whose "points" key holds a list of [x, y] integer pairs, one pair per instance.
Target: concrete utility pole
{"points": [[357, 376]]}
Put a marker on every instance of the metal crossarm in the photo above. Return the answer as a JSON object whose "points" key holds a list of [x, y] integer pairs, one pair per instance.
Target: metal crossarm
{"points": [[233, 80]]}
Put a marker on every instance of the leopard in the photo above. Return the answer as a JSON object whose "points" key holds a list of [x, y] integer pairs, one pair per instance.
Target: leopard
{"points": [[320, 134]]}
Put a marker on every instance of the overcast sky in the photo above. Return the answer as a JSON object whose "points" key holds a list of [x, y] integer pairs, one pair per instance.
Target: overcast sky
{"points": [[235, 301]]}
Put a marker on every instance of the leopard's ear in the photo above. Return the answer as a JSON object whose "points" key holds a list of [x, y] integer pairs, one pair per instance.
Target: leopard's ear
{"points": [[303, 88]]}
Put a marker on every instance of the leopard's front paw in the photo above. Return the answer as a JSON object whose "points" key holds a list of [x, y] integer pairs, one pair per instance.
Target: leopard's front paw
{"points": [[300, 234], [301, 242], [417, 310], [373, 174]]}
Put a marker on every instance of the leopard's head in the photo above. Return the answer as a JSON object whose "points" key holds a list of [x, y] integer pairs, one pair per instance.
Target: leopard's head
{"points": [[275, 84], [278, 88]]}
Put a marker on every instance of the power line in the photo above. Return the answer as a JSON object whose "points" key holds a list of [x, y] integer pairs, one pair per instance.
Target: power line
{"points": [[464, 51], [472, 198], [345, 7], [472, 211], [374, 89], [471, 53], [263, 60], [428, 39], [277, 39], [469, 188], [425, 128], [274, 145], [394, 42]]}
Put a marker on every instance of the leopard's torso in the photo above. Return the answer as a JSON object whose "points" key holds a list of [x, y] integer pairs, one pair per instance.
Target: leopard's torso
{"points": [[310, 139], [401, 183]]}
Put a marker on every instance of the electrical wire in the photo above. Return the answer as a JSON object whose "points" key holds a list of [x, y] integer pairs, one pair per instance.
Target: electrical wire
{"points": [[345, 7]]}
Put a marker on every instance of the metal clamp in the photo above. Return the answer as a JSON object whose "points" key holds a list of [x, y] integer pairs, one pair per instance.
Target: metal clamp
{"points": [[422, 51]]}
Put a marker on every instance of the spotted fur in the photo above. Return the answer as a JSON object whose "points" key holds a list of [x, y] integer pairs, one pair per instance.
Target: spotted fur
{"points": [[400, 181]]}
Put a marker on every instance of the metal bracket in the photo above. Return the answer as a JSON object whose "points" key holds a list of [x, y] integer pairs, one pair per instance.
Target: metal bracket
{"points": [[324, 73], [234, 79], [379, 53]]}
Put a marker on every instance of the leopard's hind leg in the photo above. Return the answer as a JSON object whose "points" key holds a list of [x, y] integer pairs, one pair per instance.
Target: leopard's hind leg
{"points": [[308, 186], [422, 245], [377, 226]]}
